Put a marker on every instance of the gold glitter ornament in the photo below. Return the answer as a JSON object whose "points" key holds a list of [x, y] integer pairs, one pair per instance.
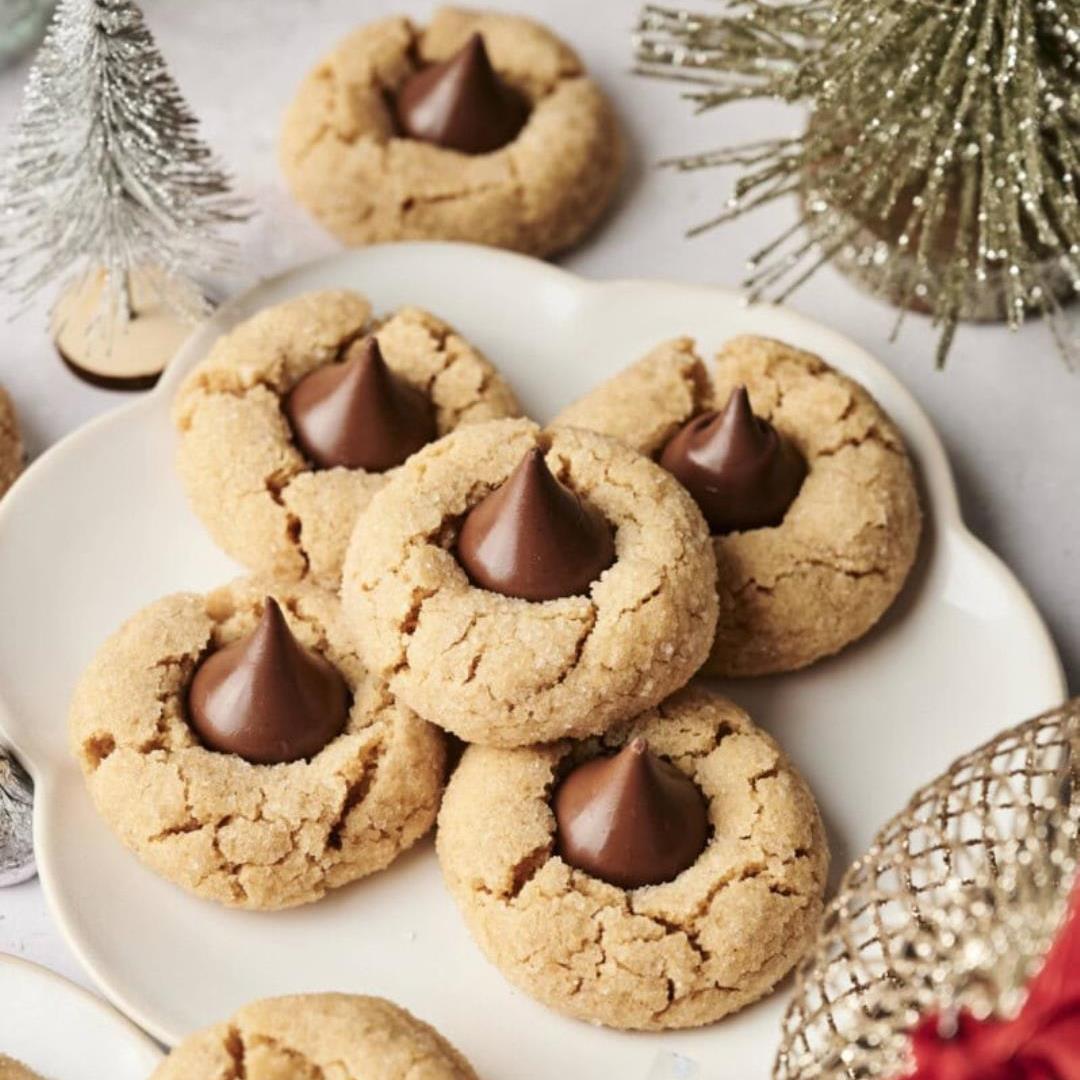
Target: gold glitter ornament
{"points": [[941, 163], [953, 908]]}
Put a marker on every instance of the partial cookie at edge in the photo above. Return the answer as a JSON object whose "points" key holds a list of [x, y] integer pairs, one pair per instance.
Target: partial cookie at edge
{"points": [[310, 1036], [11, 448], [10, 1069]]}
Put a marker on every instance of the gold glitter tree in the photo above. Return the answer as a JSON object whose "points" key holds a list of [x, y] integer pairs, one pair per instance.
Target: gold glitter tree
{"points": [[949, 913], [940, 164]]}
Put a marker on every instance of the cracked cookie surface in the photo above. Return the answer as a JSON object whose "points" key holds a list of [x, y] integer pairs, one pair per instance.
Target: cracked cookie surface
{"points": [[508, 672], [540, 194], [253, 836], [11, 448], [248, 482], [681, 954], [316, 1037], [805, 589]]}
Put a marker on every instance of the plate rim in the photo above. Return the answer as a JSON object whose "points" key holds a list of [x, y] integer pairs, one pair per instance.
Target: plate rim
{"points": [[937, 477], [108, 1012]]}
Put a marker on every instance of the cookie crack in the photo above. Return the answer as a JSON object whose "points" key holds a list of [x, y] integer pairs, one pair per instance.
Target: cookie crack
{"points": [[526, 868], [873, 434], [802, 566], [575, 659], [408, 204], [276, 486], [295, 1058], [98, 748], [355, 793], [237, 1051]]}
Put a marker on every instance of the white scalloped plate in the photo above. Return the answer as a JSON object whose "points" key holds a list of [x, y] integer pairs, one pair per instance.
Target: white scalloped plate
{"points": [[99, 526], [65, 1033]]}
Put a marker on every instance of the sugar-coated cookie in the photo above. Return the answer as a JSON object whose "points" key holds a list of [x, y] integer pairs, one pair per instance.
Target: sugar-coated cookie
{"points": [[261, 836], [347, 159], [804, 588], [677, 954], [316, 1036], [508, 671], [261, 498], [11, 448]]}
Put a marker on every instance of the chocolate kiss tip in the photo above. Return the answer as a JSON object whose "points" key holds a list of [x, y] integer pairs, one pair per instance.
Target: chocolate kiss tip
{"points": [[357, 414], [533, 538], [630, 820], [272, 616], [267, 698], [738, 404]]}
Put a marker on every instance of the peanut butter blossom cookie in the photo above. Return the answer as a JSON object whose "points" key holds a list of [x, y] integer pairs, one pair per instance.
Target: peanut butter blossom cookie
{"points": [[805, 482], [238, 746], [316, 1036], [661, 876], [302, 412], [515, 587], [11, 448], [480, 126]]}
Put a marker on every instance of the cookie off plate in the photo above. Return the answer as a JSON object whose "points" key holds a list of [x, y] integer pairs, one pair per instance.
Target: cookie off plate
{"points": [[99, 527], [63, 1032]]}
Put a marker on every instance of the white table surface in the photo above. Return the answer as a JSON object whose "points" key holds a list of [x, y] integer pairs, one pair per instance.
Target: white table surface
{"points": [[1007, 409]]}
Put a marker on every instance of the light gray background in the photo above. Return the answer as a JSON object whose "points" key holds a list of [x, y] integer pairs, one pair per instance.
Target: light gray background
{"points": [[1006, 407]]}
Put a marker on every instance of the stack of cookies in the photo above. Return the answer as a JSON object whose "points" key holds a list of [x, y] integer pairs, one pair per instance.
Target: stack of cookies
{"points": [[429, 566]]}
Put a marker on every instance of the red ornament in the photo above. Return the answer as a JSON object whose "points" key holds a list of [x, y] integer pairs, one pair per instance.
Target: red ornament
{"points": [[1041, 1043]]}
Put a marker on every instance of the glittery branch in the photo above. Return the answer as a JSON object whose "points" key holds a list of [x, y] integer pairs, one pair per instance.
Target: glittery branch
{"points": [[106, 168], [941, 161]]}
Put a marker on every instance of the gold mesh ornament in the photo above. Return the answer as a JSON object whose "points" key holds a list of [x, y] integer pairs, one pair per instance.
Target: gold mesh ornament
{"points": [[953, 907]]}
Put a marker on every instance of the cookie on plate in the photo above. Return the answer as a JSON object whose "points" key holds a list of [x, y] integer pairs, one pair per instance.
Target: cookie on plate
{"points": [[807, 485], [237, 745], [310, 1036], [300, 413], [11, 448], [662, 876], [514, 586], [480, 126]]}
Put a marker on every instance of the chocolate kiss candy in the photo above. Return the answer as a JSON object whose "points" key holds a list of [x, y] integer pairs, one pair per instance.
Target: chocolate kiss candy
{"points": [[534, 538], [630, 820], [358, 414], [461, 104], [266, 697], [740, 470]]}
